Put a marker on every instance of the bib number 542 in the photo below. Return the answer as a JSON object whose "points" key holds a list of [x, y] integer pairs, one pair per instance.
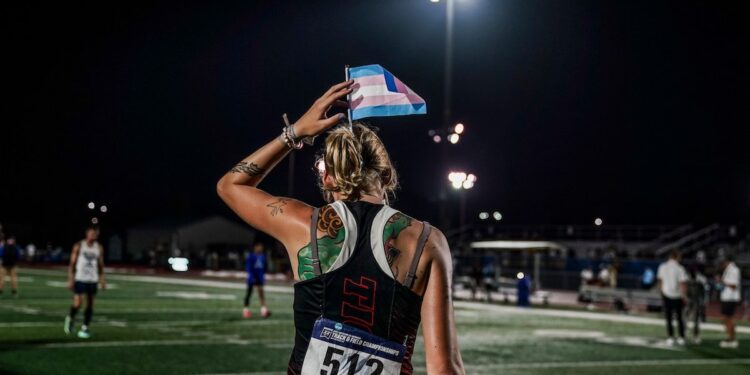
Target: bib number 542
{"points": [[332, 362]]}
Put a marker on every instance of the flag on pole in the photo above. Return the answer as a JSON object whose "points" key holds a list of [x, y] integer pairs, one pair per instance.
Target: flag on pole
{"points": [[377, 93]]}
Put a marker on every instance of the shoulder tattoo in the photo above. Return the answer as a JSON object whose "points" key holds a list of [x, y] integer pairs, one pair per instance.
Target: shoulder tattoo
{"points": [[329, 246], [395, 225]]}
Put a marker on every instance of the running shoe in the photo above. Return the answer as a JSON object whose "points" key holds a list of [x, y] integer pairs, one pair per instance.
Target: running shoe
{"points": [[84, 334], [726, 344], [265, 312]]}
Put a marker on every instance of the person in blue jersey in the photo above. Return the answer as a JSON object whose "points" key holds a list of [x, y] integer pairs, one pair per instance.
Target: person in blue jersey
{"points": [[9, 256], [256, 265]]}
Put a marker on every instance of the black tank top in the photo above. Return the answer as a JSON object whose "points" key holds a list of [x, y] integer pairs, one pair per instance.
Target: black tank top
{"points": [[359, 293]]}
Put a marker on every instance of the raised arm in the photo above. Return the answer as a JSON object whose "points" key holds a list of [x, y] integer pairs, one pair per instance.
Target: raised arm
{"points": [[72, 265], [438, 324], [283, 218]]}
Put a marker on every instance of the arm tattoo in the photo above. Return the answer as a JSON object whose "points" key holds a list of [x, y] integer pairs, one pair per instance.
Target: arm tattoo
{"points": [[249, 168], [276, 207]]}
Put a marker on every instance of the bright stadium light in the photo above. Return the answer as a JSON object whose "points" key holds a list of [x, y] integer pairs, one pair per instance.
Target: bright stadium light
{"points": [[462, 180], [459, 128], [103, 209], [91, 205], [94, 220], [434, 1], [484, 215], [520, 276], [436, 138], [321, 167], [598, 222], [497, 216], [453, 138]]}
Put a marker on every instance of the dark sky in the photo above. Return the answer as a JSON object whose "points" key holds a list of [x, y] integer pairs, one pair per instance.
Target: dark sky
{"points": [[634, 111]]}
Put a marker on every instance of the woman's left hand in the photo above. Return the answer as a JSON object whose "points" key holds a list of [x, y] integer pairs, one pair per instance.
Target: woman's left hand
{"points": [[314, 121]]}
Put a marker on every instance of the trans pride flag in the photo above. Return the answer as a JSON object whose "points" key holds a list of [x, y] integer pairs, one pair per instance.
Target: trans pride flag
{"points": [[377, 93]]}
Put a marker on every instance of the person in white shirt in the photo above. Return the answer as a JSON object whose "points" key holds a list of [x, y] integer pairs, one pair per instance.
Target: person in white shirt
{"points": [[672, 278], [730, 298]]}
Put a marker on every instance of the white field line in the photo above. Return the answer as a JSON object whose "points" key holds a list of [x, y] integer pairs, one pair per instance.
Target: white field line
{"points": [[146, 324], [582, 315], [195, 295], [600, 364], [21, 279], [105, 344], [175, 281]]}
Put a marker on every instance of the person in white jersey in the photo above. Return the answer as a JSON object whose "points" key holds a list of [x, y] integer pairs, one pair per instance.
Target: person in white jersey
{"points": [[85, 272], [672, 279], [731, 281]]}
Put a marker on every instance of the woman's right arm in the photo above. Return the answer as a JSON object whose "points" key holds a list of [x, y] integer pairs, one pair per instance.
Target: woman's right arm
{"points": [[282, 218], [438, 324]]}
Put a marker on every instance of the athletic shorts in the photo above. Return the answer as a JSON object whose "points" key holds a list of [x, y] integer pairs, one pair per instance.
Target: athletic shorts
{"points": [[728, 308], [256, 278], [81, 287]]}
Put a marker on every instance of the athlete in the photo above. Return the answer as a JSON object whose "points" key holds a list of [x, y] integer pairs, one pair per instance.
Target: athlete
{"points": [[255, 265], [85, 272], [9, 256], [367, 275]]}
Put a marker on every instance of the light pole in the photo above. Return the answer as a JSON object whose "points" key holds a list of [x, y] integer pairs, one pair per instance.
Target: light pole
{"points": [[462, 181]]}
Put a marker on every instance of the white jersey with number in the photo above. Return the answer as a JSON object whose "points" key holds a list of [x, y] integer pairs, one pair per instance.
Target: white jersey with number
{"points": [[87, 264]]}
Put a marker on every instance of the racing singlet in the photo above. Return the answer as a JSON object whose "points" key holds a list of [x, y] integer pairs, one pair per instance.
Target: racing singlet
{"points": [[356, 318], [87, 264]]}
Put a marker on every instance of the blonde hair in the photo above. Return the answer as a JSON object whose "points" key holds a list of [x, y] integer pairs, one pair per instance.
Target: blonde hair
{"points": [[358, 162]]}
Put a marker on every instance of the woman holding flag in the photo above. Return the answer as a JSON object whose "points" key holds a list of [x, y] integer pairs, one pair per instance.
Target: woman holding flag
{"points": [[366, 274]]}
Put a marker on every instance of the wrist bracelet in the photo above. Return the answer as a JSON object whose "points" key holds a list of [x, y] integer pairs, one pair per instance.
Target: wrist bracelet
{"points": [[293, 134], [286, 136]]}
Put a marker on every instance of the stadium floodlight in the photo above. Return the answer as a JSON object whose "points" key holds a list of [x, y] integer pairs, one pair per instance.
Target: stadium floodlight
{"points": [[459, 128], [453, 138], [91, 205], [497, 216], [434, 1], [103, 209], [94, 220], [598, 221], [520, 276], [462, 180], [484, 215], [437, 138]]}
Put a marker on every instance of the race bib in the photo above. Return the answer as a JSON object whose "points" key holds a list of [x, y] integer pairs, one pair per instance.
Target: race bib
{"points": [[336, 349]]}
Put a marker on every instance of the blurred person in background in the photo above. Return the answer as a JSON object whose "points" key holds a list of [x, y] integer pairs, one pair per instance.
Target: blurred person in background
{"points": [[256, 266], [85, 272], [672, 278], [10, 254], [696, 307], [648, 279], [730, 298]]}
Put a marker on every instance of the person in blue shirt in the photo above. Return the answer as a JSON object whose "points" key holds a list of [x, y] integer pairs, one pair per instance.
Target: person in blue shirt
{"points": [[255, 265], [9, 256]]}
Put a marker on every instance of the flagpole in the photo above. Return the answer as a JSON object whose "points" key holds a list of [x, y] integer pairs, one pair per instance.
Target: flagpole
{"points": [[348, 97]]}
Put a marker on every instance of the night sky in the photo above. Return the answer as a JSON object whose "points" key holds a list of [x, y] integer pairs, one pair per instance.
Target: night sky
{"points": [[633, 111]]}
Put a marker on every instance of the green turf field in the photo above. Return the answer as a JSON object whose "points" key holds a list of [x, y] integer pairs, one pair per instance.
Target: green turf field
{"points": [[149, 326]]}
